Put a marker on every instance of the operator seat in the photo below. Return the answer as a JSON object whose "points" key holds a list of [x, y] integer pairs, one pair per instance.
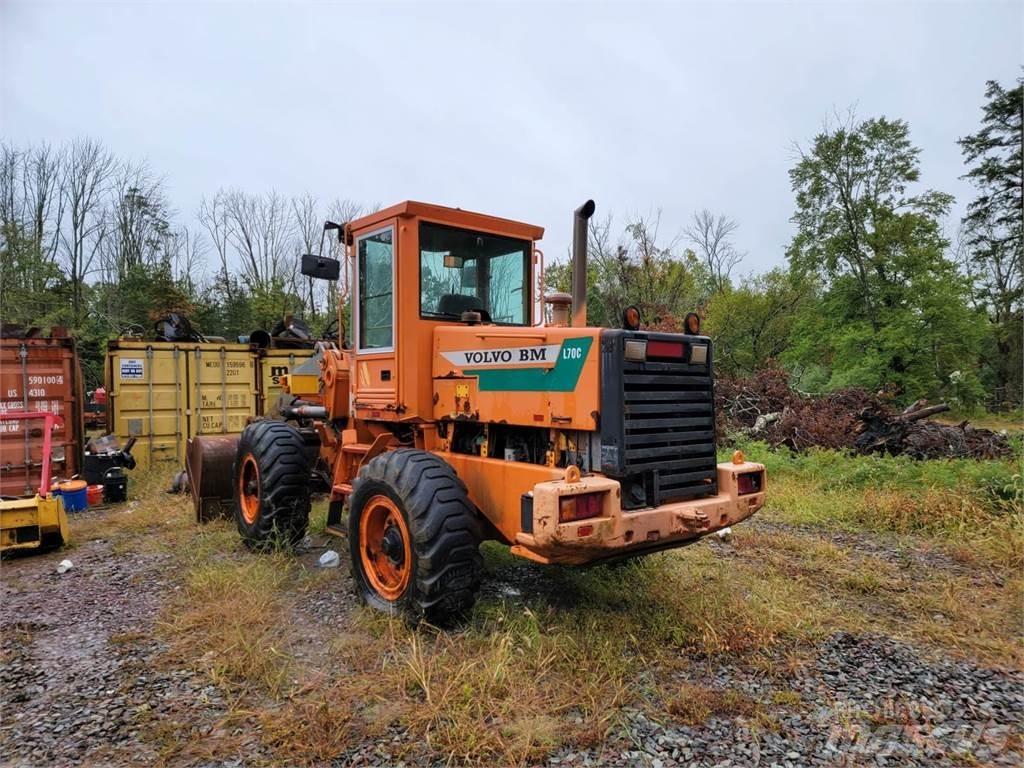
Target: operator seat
{"points": [[455, 304]]}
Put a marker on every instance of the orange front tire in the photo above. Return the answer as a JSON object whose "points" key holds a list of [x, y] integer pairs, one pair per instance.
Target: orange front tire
{"points": [[414, 538]]}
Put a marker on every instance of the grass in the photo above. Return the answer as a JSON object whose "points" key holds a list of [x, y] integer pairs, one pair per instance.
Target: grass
{"points": [[557, 657], [1011, 421], [695, 704], [973, 509], [150, 521], [238, 608]]}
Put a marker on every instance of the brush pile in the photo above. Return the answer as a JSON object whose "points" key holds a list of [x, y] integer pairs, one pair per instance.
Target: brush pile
{"points": [[766, 407]]}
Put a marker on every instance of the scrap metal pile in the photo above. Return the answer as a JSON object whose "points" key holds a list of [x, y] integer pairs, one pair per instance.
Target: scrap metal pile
{"points": [[764, 406]]}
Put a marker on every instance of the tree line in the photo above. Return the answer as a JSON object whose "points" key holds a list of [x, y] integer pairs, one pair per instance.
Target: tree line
{"points": [[874, 292], [89, 241]]}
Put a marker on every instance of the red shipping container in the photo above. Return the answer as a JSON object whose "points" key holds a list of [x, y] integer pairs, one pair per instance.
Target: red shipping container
{"points": [[41, 374]]}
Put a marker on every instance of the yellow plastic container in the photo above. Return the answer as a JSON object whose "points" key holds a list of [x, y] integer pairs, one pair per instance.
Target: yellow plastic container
{"points": [[163, 393]]}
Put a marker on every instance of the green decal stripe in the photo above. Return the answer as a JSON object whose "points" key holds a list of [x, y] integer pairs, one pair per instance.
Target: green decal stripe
{"points": [[563, 377]]}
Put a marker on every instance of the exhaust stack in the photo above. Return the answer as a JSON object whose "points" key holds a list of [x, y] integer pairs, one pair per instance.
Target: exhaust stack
{"points": [[579, 263]]}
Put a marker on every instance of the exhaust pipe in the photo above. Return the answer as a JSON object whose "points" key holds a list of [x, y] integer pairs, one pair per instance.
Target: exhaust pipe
{"points": [[579, 263]]}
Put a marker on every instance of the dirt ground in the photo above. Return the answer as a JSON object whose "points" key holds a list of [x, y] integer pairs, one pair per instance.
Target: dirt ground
{"points": [[99, 666]]}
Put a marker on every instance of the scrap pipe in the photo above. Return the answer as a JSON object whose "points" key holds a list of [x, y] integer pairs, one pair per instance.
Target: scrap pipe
{"points": [[579, 263]]}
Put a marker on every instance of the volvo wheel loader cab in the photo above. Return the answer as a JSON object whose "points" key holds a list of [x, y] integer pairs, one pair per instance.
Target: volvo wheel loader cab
{"points": [[459, 414]]}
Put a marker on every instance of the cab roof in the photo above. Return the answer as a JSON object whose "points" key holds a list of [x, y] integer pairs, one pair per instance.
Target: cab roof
{"points": [[455, 217]]}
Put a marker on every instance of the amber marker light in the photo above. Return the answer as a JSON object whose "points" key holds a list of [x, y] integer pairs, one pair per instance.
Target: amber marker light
{"points": [[631, 318]]}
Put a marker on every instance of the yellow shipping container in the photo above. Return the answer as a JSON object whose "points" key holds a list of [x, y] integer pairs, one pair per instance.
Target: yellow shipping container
{"points": [[273, 365], [163, 393]]}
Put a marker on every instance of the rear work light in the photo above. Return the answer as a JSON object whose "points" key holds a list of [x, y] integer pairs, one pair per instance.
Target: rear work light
{"points": [[580, 507], [635, 350], [673, 349], [749, 482]]}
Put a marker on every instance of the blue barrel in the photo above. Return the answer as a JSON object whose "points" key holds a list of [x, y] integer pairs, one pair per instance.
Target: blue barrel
{"points": [[74, 493]]}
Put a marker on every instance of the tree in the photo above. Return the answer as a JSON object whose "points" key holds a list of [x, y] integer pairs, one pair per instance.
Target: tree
{"points": [[641, 268], [751, 324], [994, 228], [85, 184], [31, 183], [711, 238], [894, 312], [260, 230], [139, 220], [33, 290], [309, 228]]}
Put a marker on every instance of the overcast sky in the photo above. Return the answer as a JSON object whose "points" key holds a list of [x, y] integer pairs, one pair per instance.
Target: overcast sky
{"points": [[519, 110]]}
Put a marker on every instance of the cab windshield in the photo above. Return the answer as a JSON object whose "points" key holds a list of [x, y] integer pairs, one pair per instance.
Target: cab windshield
{"points": [[463, 270]]}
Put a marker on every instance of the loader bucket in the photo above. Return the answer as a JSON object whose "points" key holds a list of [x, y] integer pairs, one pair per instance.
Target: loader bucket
{"points": [[209, 461]]}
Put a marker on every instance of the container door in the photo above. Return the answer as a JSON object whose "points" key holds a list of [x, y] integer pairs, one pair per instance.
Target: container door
{"points": [[38, 375], [222, 389], [146, 392]]}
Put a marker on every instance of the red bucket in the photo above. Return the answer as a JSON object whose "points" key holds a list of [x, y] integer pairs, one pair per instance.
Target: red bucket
{"points": [[94, 493]]}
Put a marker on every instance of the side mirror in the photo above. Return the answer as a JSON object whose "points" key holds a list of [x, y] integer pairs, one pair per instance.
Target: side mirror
{"points": [[320, 267]]}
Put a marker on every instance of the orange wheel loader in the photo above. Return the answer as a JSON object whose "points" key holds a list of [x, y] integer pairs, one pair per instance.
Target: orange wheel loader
{"points": [[470, 406]]}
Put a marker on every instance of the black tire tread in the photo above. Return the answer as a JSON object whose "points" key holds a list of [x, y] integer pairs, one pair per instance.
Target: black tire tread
{"points": [[444, 526], [284, 463]]}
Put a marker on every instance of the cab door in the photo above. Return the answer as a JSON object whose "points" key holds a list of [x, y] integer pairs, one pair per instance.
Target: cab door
{"points": [[375, 328]]}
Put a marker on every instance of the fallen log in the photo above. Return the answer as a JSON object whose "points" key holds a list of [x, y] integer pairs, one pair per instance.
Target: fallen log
{"points": [[923, 413]]}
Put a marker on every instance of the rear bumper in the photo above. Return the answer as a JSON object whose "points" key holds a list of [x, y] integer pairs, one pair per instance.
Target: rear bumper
{"points": [[616, 533]]}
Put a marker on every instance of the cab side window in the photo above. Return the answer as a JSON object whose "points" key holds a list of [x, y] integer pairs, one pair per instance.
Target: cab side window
{"points": [[376, 290]]}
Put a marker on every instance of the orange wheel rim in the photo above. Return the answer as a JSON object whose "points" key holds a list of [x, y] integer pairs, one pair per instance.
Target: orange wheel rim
{"points": [[249, 489], [384, 547]]}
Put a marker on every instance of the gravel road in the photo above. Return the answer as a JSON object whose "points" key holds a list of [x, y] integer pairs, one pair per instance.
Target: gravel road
{"points": [[866, 701], [82, 682]]}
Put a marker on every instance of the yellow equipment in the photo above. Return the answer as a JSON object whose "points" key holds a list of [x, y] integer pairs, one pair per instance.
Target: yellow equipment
{"points": [[38, 522], [32, 523]]}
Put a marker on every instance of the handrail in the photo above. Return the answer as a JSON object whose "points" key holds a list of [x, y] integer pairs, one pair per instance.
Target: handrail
{"points": [[50, 419], [511, 335]]}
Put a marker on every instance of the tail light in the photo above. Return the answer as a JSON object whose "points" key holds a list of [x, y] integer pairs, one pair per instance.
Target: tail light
{"points": [[749, 482], [580, 507], [672, 349]]}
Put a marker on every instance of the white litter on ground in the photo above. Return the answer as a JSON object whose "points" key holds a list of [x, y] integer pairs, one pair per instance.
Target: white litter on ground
{"points": [[330, 559]]}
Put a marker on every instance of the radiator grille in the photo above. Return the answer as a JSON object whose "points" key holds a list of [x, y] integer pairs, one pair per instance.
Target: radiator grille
{"points": [[662, 434]]}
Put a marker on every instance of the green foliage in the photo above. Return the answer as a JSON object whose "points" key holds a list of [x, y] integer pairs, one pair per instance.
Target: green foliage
{"points": [[752, 324], [993, 231], [894, 313], [33, 289], [994, 484]]}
